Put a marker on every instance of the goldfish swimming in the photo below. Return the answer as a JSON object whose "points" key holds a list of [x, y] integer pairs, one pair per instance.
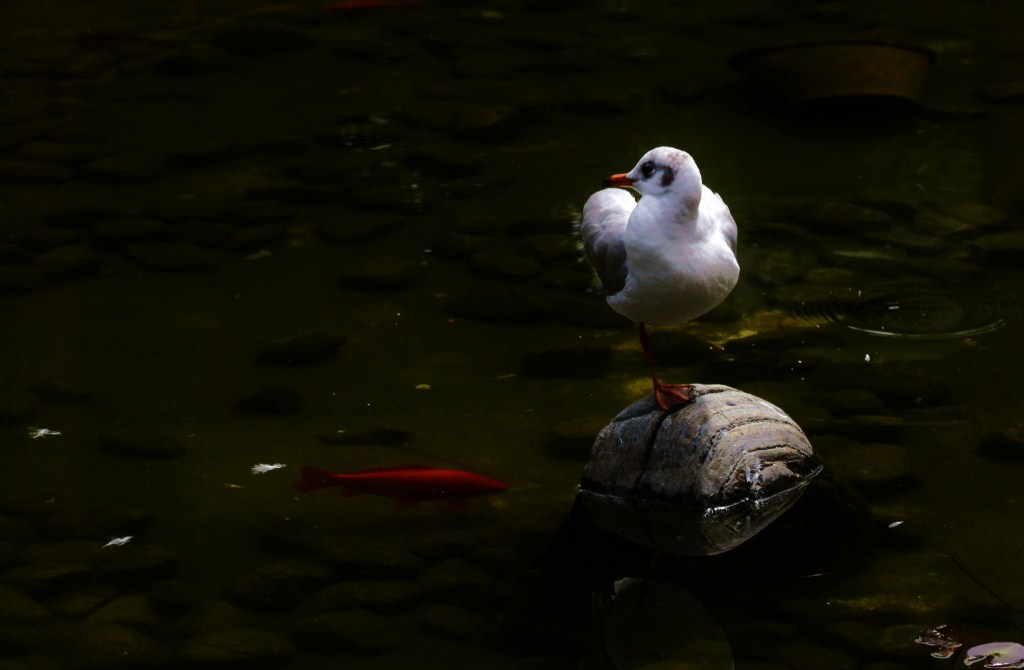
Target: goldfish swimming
{"points": [[408, 484]]}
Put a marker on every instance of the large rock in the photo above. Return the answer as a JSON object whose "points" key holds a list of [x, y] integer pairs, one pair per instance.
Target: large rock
{"points": [[699, 480]]}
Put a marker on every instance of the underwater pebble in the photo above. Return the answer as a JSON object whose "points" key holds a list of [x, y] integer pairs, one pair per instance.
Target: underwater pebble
{"points": [[1003, 446], [443, 545], [141, 443], [779, 266], [833, 276], [798, 656], [16, 406], [71, 262], [48, 577], [356, 228], [175, 257], [255, 237], [59, 391], [101, 646], [125, 169], [870, 427], [296, 195], [12, 254], [886, 260], [574, 438], [382, 597], [385, 198], [191, 59], [278, 586], [136, 564], [757, 640], [135, 611], [450, 621], [237, 647], [369, 559], [845, 402], [173, 595], [855, 637], [783, 338], [354, 631], [586, 311], [61, 152], [44, 239], [390, 437], [472, 120], [815, 296], [504, 266], [457, 581], [870, 468], [17, 606], [497, 305], [498, 560], [576, 362], [1006, 248], [381, 273], [208, 616], [302, 349], [261, 39], [843, 216], [445, 159], [12, 530], [117, 232], [33, 172], [82, 601], [273, 401]]}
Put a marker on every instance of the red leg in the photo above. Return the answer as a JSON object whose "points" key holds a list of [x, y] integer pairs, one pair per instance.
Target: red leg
{"points": [[669, 396]]}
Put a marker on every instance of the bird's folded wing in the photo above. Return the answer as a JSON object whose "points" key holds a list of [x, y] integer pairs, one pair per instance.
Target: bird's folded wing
{"points": [[604, 223]]}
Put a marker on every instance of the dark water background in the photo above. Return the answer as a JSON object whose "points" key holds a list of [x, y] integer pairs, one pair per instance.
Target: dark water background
{"points": [[463, 138]]}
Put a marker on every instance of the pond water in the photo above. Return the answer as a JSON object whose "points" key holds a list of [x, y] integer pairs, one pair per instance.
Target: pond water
{"points": [[341, 237]]}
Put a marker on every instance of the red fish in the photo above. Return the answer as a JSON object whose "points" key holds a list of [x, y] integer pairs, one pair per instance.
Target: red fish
{"points": [[408, 484]]}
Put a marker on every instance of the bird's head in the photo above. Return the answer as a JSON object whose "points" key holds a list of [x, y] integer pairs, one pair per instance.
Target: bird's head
{"points": [[662, 172]]}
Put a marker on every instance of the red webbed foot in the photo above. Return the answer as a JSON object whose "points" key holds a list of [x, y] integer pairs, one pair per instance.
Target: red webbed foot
{"points": [[671, 396]]}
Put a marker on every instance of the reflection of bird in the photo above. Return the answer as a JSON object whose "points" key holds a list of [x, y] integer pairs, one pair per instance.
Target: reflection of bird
{"points": [[667, 258]]}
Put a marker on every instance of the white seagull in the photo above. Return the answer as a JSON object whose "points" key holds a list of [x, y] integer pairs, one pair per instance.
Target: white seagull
{"points": [[667, 258]]}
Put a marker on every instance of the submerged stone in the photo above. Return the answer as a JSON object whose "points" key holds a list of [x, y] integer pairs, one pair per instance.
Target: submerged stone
{"points": [[874, 468], [505, 266], [173, 257], [261, 39], [117, 232], [237, 647], [16, 406], [383, 597], [276, 400], [368, 559], [578, 362], [381, 274], [353, 631], [302, 349], [278, 586], [1004, 446], [70, 262], [356, 228], [125, 168], [141, 443], [450, 621]]}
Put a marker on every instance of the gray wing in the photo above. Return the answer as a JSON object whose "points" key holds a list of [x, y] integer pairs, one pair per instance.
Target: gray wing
{"points": [[604, 221], [718, 212]]}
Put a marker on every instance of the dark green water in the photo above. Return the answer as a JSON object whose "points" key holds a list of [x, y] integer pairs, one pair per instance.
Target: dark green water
{"points": [[294, 152]]}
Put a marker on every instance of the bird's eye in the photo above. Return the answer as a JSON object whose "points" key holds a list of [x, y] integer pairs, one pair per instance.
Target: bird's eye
{"points": [[647, 169]]}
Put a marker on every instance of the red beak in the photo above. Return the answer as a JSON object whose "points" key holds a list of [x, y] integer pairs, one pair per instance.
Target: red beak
{"points": [[617, 180]]}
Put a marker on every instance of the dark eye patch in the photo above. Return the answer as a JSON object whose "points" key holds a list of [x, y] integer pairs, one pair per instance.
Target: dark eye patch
{"points": [[667, 176]]}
